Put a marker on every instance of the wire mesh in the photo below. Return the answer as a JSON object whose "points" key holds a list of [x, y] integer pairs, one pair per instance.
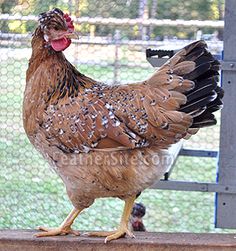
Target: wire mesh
{"points": [[32, 194]]}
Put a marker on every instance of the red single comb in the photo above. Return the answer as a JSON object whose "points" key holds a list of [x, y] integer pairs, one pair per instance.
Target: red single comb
{"points": [[69, 22]]}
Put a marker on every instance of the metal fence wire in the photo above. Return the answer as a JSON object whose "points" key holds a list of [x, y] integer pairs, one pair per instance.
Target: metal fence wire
{"points": [[31, 193]]}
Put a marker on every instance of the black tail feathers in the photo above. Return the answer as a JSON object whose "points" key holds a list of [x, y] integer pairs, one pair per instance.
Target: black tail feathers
{"points": [[206, 97]]}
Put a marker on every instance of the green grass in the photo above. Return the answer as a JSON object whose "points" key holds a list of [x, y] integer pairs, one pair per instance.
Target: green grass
{"points": [[32, 194]]}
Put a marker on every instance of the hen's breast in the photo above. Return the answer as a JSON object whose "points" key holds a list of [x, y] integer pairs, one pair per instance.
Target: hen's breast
{"points": [[109, 174]]}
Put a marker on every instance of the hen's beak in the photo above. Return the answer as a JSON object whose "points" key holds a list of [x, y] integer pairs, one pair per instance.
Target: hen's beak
{"points": [[72, 35]]}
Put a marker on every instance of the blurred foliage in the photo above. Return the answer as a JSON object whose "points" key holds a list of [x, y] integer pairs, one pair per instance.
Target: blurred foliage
{"points": [[187, 10], [161, 9]]}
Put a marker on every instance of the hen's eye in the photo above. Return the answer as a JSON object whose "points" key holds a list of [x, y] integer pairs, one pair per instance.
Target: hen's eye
{"points": [[56, 28]]}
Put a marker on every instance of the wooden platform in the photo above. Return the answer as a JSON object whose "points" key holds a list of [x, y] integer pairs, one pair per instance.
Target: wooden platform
{"points": [[23, 240]]}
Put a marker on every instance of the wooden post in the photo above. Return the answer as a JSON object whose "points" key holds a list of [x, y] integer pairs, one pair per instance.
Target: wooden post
{"points": [[226, 203]]}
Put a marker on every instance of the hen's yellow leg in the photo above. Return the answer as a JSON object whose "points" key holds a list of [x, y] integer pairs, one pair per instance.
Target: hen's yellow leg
{"points": [[123, 227], [64, 228]]}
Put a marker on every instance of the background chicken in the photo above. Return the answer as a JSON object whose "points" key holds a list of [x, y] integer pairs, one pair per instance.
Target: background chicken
{"points": [[136, 218], [104, 141]]}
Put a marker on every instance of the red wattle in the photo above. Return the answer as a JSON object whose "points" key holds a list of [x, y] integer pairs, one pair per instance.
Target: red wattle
{"points": [[60, 44]]}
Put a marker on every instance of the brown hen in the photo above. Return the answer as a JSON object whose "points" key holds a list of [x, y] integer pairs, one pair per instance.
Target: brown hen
{"points": [[110, 141]]}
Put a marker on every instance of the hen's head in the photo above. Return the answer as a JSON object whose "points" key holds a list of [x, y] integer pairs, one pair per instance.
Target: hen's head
{"points": [[139, 210], [58, 29]]}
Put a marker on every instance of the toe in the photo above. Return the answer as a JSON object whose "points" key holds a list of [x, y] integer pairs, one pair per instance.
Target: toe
{"points": [[74, 232], [130, 234], [48, 233], [56, 231], [115, 236], [43, 228], [118, 234], [99, 233]]}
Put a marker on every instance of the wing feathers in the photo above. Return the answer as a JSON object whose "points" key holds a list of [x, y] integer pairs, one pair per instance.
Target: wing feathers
{"points": [[172, 104]]}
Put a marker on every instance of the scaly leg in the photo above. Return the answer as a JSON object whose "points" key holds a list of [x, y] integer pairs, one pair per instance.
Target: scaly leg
{"points": [[64, 228], [123, 227]]}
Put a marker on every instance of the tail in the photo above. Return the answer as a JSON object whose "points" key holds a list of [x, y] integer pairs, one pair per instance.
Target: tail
{"points": [[195, 63]]}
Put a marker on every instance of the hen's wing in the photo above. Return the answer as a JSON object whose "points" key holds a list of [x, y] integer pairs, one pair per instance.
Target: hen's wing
{"points": [[154, 112]]}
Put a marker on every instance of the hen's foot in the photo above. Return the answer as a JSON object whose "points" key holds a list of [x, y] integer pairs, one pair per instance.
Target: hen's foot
{"points": [[120, 232], [112, 235], [123, 228], [56, 231], [65, 227]]}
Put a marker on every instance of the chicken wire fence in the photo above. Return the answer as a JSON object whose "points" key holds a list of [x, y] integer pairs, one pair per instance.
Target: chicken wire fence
{"points": [[31, 193]]}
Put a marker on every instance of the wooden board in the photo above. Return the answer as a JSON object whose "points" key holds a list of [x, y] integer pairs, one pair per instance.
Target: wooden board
{"points": [[15, 240]]}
